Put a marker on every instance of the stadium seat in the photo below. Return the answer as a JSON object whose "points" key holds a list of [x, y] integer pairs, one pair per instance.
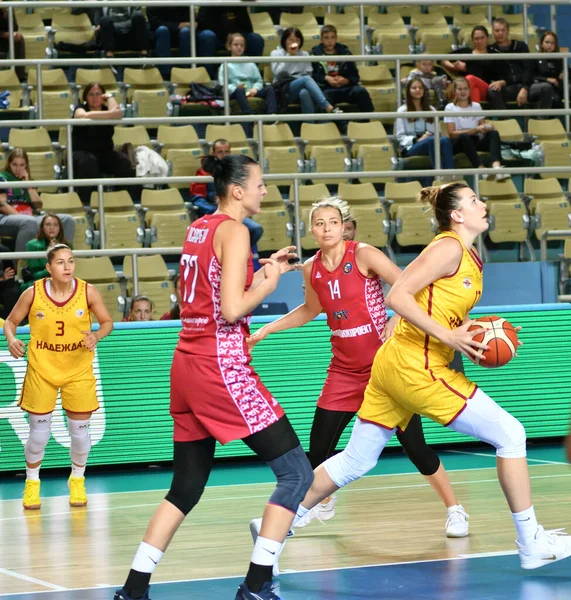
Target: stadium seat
{"points": [[366, 208], [306, 23], [149, 103], [404, 10], [69, 203], [411, 221], [320, 134], [277, 134], [19, 99], [324, 149], [509, 129], [180, 137], [381, 86], [348, 29], [401, 193], [389, 33], [123, 227], [166, 216], [274, 218], [71, 29], [234, 134], [145, 90], [34, 32], [154, 281], [548, 206], [556, 154], [134, 134], [181, 78], [104, 76], [371, 149], [263, 25], [282, 159], [547, 130], [507, 213], [433, 34], [183, 162], [99, 272]]}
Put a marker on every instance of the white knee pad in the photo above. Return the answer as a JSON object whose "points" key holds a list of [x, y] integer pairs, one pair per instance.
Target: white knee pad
{"points": [[366, 444], [40, 431], [80, 441], [484, 419]]}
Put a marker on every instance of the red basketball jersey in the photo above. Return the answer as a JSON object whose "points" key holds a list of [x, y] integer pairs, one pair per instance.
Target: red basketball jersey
{"points": [[355, 308], [205, 332]]}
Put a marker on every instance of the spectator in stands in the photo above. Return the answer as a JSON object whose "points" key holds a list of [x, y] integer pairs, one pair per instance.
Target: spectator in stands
{"points": [[339, 81], [19, 46], [170, 26], [141, 309], [245, 81], [350, 229], [174, 313], [203, 195], [470, 134], [432, 81], [215, 24], [547, 86], [21, 212], [513, 78], [124, 28], [9, 288], [416, 136], [478, 73], [93, 152], [51, 232], [294, 79]]}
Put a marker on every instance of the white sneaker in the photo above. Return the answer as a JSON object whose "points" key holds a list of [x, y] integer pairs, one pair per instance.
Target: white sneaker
{"points": [[457, 522], [499, 175], [322, 512], [546, 547], [255, 526]]}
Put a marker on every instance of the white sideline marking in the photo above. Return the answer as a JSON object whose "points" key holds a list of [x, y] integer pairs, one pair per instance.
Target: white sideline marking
{"points": [[51, 586]]}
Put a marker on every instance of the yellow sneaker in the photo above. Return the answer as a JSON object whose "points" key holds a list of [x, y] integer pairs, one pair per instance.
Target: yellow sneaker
{"points": [[77, 494], [31, 499]]}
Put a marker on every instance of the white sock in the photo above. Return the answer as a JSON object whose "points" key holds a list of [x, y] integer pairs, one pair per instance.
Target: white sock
{"points": [[525, 524], [266, 551], [301, 512], [33, 474], [77, 471], [146, 558]]}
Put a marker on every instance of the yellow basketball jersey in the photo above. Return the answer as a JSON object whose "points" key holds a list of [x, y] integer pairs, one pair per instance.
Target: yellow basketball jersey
{"points": [[448, 301], [55, 349]]}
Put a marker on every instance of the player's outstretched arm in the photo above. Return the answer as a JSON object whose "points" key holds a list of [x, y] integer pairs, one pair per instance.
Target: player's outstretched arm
{"points": [[98, 308], [295, 318], [439, 260], [16, 347]]}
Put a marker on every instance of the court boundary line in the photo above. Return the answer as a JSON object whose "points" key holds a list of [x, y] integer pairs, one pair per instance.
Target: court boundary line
{"points": [[251, 497], [53, 586], [328, 569], [537, 460]]}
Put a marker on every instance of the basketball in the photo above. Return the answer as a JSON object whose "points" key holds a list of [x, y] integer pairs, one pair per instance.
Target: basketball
{"points": [[501, 339]]}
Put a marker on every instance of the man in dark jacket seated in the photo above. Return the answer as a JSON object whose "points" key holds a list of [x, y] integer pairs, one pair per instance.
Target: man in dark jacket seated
{"points": [[213, 27], [513, 77], [338, 80]]}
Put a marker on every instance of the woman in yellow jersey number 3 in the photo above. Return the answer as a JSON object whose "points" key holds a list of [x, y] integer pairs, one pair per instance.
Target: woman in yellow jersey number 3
{"points": [[60, 358], [410, 373]]}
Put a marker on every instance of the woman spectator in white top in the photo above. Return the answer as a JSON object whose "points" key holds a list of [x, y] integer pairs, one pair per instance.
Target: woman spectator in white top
{"points": [[301, 87], [470, 134], [416, 136]]}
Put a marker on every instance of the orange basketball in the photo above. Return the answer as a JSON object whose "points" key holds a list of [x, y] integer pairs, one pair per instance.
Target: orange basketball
{"points": [[501, 339]]}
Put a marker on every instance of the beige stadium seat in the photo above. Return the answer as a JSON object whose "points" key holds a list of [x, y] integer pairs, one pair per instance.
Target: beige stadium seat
{"points": [[33, 139], [275, 220], [372, 221], [507, 214], [320, 134], [401, 193], [319, 11], [69, 203], [52, 79], [406, 11], [33, 30], [282, 159], [135, 134], [99, 272], [547, 130], [181, 137], [181, 78], [149, 103], [9, 81], [164, 201], [370, 11], [277, 134], [104, 76], [142, 79], [393, 26], [154, 281], [306, 23], [166, 216], [234, 134], [308, 194], [183, 162], [413, 225], [328, 159], [371, 148], [122, 223], [433, 32], [263, 25], [381, 86], [509, 129], [556, 154], [548, 206], [72, 29]]}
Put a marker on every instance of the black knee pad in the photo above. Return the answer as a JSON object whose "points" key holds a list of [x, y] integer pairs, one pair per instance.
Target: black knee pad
{"points": [[426, 463], [183, 495], [294, 475]]}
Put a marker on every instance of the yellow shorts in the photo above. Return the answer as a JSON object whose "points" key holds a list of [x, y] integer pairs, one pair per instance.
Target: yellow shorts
{"points": [[401, 386], [39, 396]]}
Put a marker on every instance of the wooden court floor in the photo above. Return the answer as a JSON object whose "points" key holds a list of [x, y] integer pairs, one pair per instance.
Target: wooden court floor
{"points": [[390, 517]]}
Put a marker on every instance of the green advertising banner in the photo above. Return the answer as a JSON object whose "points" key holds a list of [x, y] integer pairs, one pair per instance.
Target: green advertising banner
{"points": [[132, 367]]}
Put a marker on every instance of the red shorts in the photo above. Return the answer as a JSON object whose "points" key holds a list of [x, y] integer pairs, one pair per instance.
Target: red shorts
{"points": [[220, 398], [343, 391]]}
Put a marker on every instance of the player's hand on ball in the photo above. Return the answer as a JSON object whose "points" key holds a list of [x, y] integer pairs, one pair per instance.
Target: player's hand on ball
{"points": [[17, 348], [463, 340], [90, 340]]}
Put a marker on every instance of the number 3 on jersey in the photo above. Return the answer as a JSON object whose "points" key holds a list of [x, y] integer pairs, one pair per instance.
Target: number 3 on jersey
{"points": [[334, 289], [189, 264]]}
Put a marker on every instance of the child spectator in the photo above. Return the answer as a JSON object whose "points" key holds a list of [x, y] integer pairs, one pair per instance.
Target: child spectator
{"points": [[425, 72]]}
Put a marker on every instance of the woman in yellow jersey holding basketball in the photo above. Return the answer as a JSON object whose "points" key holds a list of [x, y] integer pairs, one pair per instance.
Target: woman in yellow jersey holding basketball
{"points": [[60, 358], [410, 373]]}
